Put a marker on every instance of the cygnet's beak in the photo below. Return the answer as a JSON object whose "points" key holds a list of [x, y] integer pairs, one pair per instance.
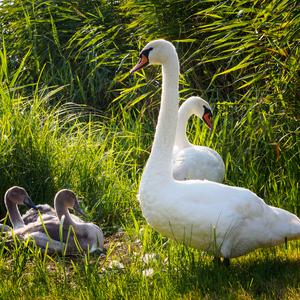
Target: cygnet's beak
{"points": [[29, 203], [143, 62], [78, 209]]}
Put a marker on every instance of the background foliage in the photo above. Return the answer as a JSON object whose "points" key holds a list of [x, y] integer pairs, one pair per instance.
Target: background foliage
{"points": [[242, 51]]}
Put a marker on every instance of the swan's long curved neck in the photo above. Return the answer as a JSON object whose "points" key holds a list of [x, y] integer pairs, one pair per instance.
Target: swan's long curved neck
{"points": [[62, 210], [160, 161], [14, 214], [184, 113]]}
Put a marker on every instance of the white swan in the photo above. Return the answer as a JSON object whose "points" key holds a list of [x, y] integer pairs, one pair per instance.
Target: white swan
{"points": [[191, 161], [222, 220], [63, 234]]}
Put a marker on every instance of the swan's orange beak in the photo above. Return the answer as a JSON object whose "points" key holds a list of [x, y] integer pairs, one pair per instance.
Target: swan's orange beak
{"points": [[143, 62], [208, 120]]}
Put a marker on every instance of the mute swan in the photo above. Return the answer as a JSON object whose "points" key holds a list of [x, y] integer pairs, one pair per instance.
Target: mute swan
{"points": [[13, 197], [63, 234], [191, 161], [223, 220]]}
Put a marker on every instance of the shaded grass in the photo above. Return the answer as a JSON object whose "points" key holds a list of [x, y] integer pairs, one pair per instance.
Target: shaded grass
{"points": [[46, 151]]}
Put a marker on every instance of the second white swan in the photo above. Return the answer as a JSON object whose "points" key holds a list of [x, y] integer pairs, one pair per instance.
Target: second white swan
{"points": [[192, 161]]}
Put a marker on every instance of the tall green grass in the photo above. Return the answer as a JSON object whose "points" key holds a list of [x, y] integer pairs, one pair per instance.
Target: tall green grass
{"points": [[46, 148], [245, 52]]}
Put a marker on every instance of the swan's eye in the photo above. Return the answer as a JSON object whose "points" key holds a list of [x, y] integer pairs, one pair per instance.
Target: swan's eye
{"points": [[146, 52], [143, 61]]}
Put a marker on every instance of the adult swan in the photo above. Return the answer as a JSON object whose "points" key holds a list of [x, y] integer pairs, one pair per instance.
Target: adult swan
{"points": [[192, 161], [222, 220]]}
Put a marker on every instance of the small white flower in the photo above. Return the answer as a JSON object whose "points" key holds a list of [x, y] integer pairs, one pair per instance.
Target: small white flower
{"points": [[137, 241], [115, 264], [148, 272], [148, 257]]}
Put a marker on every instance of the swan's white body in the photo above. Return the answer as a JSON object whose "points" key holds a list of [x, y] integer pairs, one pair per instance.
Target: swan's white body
{"points": [[191, 161], [223, 220]]}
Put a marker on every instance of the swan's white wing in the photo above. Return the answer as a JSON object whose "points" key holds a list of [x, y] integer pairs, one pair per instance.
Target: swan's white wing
{"points": [[198, 163], [220, 219]]}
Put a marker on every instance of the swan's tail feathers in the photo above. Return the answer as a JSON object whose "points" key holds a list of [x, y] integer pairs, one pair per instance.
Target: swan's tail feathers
{"points": [[290, 224], [294, 229]]}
